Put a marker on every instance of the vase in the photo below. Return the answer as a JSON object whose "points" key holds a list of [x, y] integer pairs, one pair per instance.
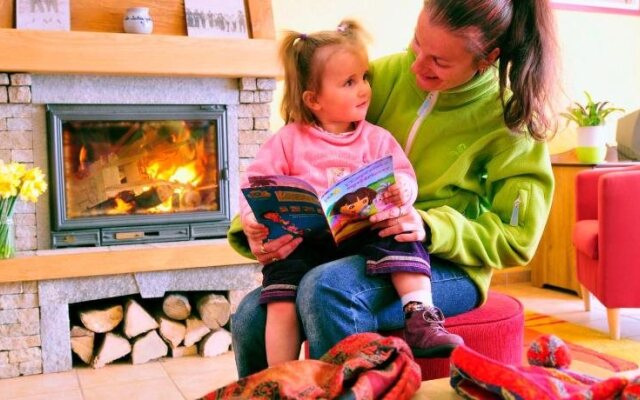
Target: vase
{"points": [[137, 20], [592, 143], [7, 238]]}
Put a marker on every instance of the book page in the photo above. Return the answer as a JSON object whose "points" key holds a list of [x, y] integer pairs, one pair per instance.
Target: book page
{"points": [[286, 205], [350, 202]]}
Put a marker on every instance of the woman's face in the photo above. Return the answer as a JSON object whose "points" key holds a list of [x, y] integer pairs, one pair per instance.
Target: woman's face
{"points": [[442, 59]]}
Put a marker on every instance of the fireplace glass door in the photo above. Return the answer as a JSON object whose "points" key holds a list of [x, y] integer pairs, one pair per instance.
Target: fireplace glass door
{"points": [[139, 173]]}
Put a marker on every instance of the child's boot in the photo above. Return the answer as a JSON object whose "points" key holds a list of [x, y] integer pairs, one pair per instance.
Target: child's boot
{"points": [[425, 333]]}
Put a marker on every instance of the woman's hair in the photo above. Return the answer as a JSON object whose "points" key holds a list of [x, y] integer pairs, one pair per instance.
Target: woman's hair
{"points": [[524, 31], [302, 69]]}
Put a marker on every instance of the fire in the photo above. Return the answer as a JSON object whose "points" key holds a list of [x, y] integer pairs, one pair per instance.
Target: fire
{"points": [[184, 167]]}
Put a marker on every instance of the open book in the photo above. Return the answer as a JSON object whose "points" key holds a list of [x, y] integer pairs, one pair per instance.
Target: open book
{"points": [[289, 205]]}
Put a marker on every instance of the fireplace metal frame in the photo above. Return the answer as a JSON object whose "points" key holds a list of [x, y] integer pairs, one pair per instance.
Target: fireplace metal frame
{"points": [[118, 229]]}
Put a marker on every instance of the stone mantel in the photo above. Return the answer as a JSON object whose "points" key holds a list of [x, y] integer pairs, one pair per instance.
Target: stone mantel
{"points": [[111, 260]]}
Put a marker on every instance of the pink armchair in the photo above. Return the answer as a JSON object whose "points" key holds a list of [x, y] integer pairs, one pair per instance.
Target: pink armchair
{"points": [[606, 236]]}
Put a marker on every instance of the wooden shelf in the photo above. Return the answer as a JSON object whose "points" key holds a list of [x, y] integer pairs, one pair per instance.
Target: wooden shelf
{"points": [[83, 262], [131, 54]]}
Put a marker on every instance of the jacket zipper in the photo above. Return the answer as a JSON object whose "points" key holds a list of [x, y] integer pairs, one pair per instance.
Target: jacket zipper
{"points": [[423, 111], [515, 212]]}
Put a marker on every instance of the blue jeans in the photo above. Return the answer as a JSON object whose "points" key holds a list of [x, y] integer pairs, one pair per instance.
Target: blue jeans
{"points": [[338, 299]]}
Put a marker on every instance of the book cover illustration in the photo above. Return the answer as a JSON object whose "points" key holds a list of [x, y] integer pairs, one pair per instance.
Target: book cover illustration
{"points": [[289, 205]]}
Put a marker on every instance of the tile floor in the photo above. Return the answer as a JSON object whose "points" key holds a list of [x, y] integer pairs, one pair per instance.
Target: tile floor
{"points": [[191, 377]]}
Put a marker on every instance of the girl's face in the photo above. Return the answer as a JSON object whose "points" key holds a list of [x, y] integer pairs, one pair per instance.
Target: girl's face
{"points": [[344, 93], [443, 60], [355, 207]]}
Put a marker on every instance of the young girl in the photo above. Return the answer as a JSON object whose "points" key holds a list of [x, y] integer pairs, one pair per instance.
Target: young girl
{"points": [[325, 101]]}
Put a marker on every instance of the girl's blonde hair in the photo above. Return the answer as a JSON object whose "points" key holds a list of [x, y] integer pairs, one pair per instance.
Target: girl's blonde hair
{"points": [[301, 69]]}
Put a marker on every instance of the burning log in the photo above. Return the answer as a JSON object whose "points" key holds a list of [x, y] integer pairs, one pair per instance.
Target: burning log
{"points": [[215, 343], [82, 343], [153, 197], [113, 347], [148, 347], [137, 320], [176, 306], [214, 310], [145, 200], [101, 321]]}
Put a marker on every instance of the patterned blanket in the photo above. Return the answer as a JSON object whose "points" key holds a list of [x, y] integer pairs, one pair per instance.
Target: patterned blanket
{"points": [[361, 366], [477, 377]]}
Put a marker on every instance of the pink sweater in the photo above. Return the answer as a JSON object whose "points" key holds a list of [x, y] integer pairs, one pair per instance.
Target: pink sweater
{"points": [[321, 158]]}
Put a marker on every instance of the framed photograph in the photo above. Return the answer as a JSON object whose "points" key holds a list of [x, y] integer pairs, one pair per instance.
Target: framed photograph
{"points": [[216, 18], [46, 15], [610, 6]]}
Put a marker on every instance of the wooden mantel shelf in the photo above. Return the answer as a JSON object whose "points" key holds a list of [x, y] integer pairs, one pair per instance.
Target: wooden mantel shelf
{"points": [[121, 53], [84, 262]]}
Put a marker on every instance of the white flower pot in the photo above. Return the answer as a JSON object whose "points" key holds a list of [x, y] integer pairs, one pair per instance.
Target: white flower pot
{"points": [[592, 143]]}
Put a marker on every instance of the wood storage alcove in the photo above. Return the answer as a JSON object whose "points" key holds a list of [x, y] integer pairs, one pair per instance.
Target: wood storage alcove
{"points": [[136, 330]]}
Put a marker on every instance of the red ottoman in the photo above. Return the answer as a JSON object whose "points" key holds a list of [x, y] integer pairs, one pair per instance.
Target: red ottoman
{"points": [[495, 330]]}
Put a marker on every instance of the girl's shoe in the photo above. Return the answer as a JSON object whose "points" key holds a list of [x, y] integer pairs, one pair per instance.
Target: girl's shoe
{"points": [[425, 333]]}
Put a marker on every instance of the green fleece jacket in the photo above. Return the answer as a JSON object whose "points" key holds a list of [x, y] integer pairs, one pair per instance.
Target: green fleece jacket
{"points": [[484, 192]]}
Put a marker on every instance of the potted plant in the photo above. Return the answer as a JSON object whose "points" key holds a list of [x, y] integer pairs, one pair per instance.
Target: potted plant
{"points": [[591, 131]]}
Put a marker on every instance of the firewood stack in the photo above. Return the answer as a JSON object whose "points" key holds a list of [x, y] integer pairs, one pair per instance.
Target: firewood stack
{"points": [[152, 330]]}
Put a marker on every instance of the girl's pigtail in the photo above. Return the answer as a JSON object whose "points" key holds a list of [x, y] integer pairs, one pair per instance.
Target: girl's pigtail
{"points": [[290, 108]]}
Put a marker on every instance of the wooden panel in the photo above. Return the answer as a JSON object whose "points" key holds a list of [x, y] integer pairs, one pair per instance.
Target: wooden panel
{"points": [[6, 13], [260, 16], [168, 16], [121, 53], [106, 15], [555, 261], [56, 264]]}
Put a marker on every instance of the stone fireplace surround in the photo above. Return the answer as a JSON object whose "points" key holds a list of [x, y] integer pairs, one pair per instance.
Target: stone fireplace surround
{"points": [[34, 315]]}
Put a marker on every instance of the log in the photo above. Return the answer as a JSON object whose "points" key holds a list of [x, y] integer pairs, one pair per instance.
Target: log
{"points": [[101, 321], [176, 306], [215, 343], [137, 320], [214, 310], [171, 331], [148, 347], [196, 330], [113, 347], [184, 351], [82, 341]]}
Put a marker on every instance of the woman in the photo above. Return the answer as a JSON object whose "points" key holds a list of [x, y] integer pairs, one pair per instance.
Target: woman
{"points": [[484, 176]]}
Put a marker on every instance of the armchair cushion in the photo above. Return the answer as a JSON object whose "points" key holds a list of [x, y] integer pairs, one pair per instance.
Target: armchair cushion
{"points": [[585, 237]]}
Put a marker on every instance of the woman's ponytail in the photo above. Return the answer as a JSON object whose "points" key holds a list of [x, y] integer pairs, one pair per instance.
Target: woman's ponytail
{"points": [[527, 66], [524, 31]]}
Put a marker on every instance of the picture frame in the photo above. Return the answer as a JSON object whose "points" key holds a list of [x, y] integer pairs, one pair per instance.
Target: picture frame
{"points": [[606, 6], [45, 15], [216, 18]]}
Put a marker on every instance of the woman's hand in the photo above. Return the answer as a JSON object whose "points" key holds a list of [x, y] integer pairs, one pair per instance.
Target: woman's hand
{"points": [[270, 251], [404, 223]]}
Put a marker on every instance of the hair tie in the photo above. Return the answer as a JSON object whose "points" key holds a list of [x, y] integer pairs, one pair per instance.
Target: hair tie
{"points": [[342, 28], [303, 36]]}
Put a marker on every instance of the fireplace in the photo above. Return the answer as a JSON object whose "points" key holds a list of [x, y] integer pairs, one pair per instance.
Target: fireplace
{"points": [[123, 174]]}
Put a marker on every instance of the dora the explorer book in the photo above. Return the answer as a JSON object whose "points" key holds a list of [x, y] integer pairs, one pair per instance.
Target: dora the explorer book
{"points": [[289, 205]]}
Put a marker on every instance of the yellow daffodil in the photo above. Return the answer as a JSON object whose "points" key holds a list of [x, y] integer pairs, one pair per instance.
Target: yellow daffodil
{"points": [[33, 185], [16, 180]]}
